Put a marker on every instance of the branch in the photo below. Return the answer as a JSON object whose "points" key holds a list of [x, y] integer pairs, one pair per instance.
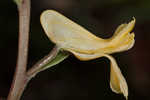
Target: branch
{"points": [[20, 80]]}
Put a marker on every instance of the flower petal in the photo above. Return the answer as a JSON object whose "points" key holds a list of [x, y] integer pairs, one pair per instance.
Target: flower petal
{"points": [[120, 27], [68, 34], [86, 57], [123, 30], [73, 37], [123, 45], [118, 83], [122, 40]]}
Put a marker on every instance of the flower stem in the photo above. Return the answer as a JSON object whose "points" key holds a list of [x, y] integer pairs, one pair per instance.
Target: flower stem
{"points": [[38, 66], [20, 79]]}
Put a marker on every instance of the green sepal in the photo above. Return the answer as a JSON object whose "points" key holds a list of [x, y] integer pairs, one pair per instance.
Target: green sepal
{"points": [[59, 58]]}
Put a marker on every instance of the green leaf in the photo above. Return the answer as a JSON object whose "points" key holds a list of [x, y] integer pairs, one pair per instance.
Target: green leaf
{"points": [[18, 2], [59, 58]]}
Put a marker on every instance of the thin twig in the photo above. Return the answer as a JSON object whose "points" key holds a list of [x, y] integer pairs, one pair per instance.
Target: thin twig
{"points": [[20, 80], [38, 66]]}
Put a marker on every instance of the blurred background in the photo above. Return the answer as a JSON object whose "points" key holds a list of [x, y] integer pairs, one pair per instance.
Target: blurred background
{"points": [[73, 79]]}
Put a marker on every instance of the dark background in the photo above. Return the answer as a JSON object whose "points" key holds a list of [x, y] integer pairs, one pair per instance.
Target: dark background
{"points": [[73, 79]]}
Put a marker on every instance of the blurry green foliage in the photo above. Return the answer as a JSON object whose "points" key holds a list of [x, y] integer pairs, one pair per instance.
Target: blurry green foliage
{"points": [[18, 2]]}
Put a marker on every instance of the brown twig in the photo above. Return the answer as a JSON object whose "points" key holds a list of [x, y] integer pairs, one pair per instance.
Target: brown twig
{"points": [[20, 79]]}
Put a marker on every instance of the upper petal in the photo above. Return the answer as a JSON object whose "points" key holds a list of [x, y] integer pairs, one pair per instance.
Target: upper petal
{"points": [[68, 34], [73, 37]]}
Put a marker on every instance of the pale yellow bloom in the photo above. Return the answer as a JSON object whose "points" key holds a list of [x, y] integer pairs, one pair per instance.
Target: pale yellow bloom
{"points": [[85, 46]]}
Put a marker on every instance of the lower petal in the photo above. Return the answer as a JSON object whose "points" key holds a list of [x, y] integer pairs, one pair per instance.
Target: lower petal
{"points": [[118, 83]]}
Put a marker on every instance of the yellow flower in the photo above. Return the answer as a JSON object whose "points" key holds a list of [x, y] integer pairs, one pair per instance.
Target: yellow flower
{"points": [[85, 46]]}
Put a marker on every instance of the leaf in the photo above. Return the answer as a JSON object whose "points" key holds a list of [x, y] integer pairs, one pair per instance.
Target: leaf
{"points": [[59, 58]]}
